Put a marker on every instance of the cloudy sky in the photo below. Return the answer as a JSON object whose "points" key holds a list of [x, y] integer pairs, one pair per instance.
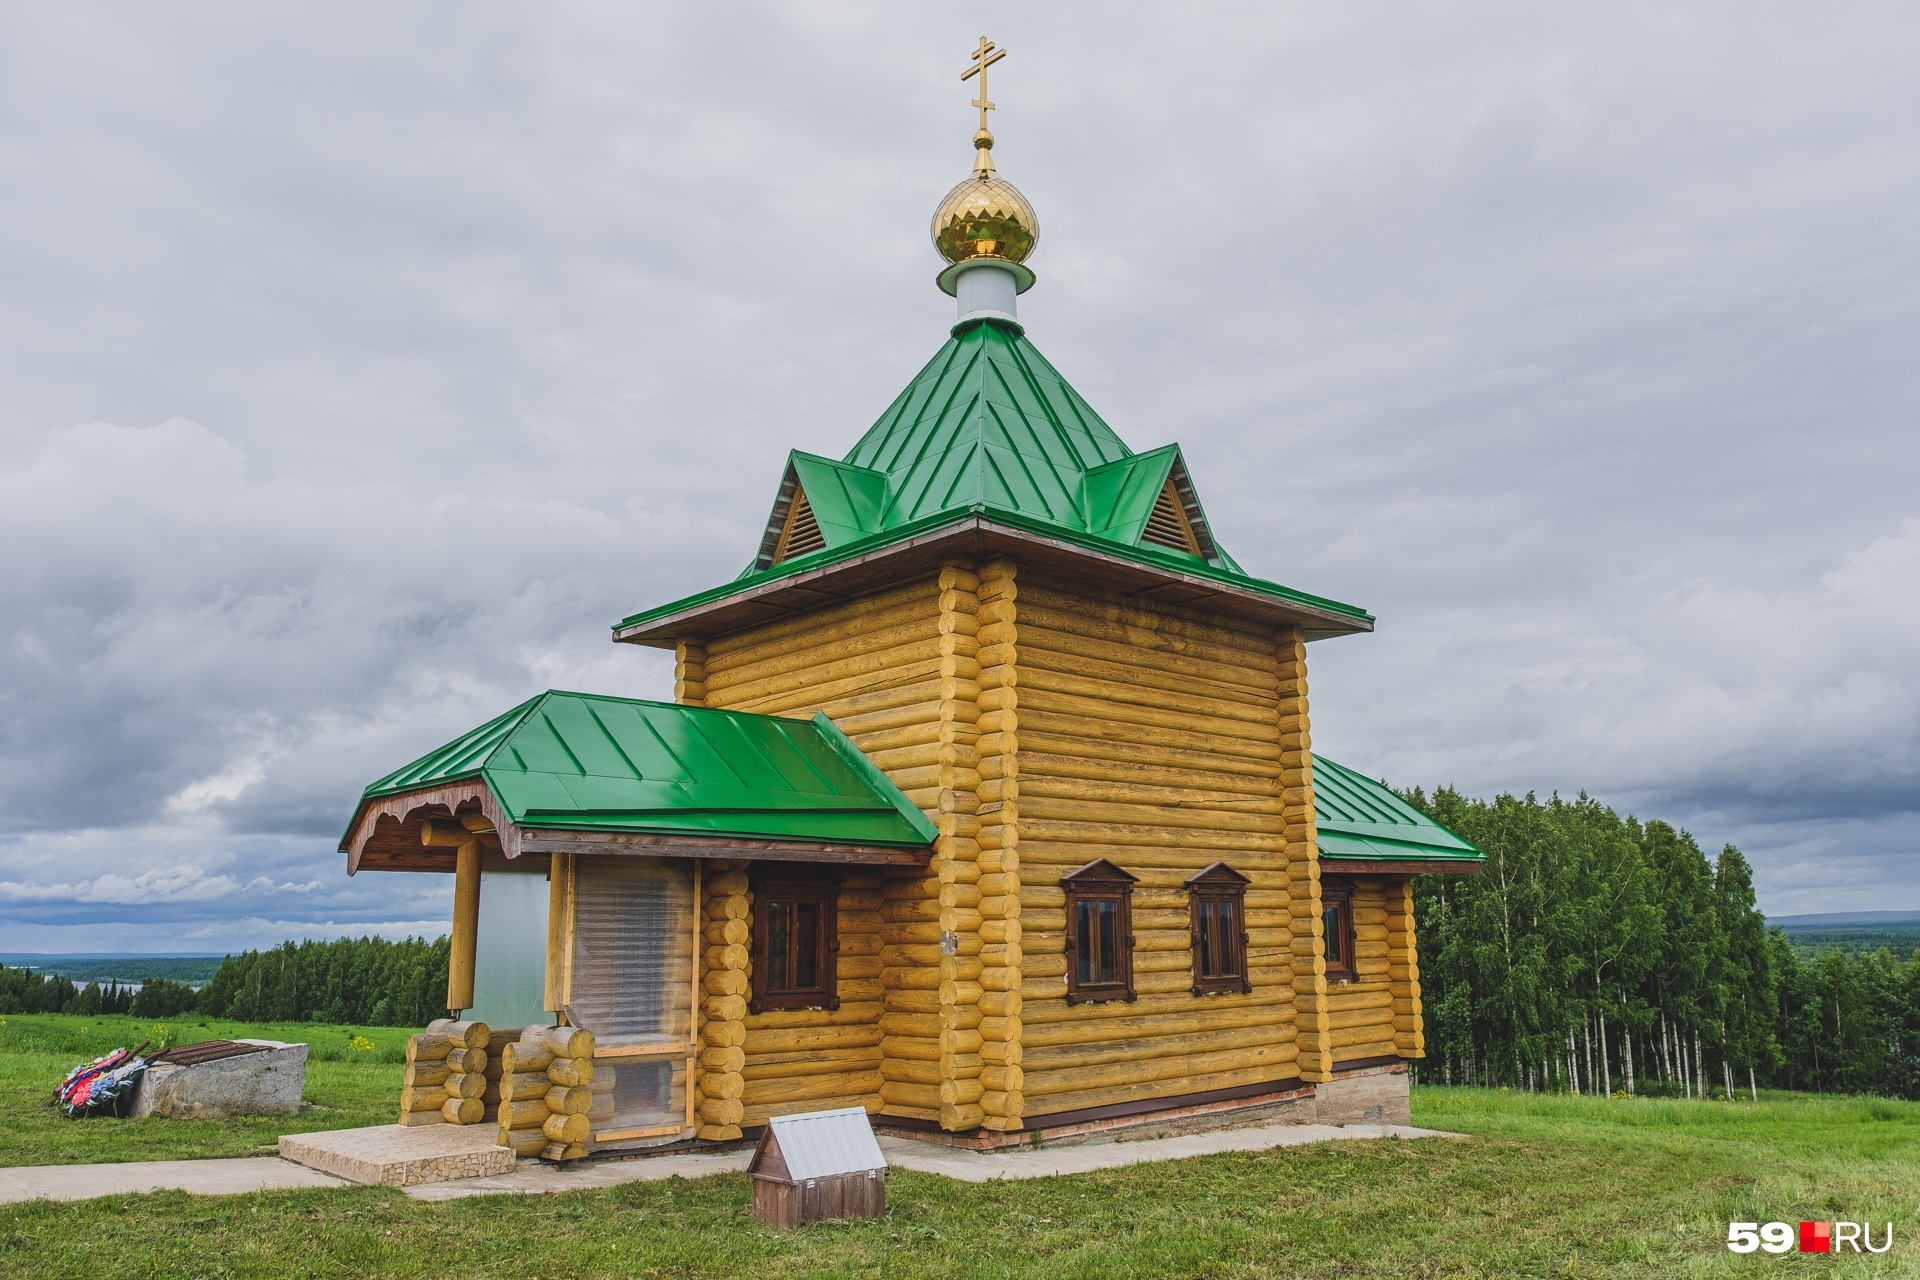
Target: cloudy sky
{"points": [[360, 364]]}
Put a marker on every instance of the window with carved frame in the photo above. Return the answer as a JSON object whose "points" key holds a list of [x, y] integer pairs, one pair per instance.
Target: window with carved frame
{"points": [[1099, 902], [796, 943], [1336, 927], [1217, 899]]}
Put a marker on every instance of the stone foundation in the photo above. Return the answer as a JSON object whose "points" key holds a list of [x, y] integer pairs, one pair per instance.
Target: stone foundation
{"points": [[1369, 1095]]}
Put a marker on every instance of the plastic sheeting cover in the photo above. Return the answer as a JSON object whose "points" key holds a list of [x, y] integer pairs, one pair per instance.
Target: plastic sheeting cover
{"points": [[632, 950], [510, 952]]}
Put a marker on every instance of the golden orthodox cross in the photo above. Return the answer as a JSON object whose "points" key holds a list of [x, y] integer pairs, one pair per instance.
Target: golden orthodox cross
{"points": [[983, 57]]}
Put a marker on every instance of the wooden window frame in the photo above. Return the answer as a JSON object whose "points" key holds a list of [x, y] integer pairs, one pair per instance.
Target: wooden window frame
{"points": [[1220, 883], [1336, 896], [1099, 881], [790, 888]]}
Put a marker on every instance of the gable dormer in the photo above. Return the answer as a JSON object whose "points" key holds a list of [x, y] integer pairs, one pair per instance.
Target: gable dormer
{"points": [[1147, 499], [822, 503]]}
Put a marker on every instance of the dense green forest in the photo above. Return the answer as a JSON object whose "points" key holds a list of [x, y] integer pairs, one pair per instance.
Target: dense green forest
{"points": [[352, 981], [1599, 953]]}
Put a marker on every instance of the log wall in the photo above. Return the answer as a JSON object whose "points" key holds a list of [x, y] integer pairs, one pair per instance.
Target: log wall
{"points": [[1153, 736], [1041, 723], [897, 672], [1361, 1013]]}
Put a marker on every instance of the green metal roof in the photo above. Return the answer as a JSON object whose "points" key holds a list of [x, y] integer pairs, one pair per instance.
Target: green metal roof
{"points": [[989, 428], [1357, 817], [578, 761]]}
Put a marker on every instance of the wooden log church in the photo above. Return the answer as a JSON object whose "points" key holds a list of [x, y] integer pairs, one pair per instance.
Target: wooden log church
{"points": [[986, 801]]}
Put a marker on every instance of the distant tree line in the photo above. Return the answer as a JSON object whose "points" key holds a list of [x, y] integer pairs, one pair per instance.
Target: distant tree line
{"points": [[353, 981], [28, 991], [1600, 954]]}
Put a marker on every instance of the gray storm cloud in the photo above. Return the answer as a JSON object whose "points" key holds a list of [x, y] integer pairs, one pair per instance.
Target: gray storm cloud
{"points": [[361, 366]]}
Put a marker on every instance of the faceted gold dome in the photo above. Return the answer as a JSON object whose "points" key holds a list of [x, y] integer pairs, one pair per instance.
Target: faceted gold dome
{"points": [[985, 217]]}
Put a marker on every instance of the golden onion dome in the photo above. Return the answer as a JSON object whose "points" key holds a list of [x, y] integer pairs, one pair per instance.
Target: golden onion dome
{"points": [[985, 217]]}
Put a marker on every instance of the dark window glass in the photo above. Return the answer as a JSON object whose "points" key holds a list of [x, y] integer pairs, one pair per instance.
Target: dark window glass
{"points": [[1336, 927], [1100, 933], [1218, 921], [794, 945]]}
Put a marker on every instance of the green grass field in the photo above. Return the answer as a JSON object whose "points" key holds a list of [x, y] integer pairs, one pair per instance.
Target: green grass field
{"points": [[1545, 1187], [345, 1089]]}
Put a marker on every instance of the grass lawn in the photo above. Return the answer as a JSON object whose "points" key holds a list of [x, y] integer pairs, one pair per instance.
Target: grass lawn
{"points": [[346, 1089], [1547, 1187]]}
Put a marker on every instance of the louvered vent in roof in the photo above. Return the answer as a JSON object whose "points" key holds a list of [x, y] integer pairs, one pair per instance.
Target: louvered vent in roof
{"points": [[802, 533], [1168, 525]]}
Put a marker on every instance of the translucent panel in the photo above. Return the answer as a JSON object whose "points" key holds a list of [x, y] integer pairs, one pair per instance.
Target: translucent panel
{"points": [[510, 953], [647, 1093], [632, 950], [1330, 926]]}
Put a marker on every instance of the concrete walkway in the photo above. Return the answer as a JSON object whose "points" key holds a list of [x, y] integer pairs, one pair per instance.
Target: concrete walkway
{"points": [[269, 1173], [202, 1177], [928, 1157]]}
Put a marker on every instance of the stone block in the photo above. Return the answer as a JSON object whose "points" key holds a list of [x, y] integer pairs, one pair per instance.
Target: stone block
{"points": [[1372, 1095], [253, 1084]]}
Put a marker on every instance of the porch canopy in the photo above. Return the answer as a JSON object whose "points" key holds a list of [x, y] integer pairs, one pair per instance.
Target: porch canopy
{"points": [[1365, 829], [578, 773]]}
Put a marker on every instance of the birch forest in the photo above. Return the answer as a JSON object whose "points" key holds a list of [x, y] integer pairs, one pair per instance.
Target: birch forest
{"points": [[1604, 955]]}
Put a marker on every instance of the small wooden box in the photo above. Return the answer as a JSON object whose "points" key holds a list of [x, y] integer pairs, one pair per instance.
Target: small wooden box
{"points": [[825, 1164]]}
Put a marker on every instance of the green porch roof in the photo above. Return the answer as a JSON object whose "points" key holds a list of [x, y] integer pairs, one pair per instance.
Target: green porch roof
{"points": [[1357, 817], [989, 428], [581, 762]]}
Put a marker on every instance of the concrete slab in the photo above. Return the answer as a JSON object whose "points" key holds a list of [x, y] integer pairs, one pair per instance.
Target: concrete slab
{"points": [[926, 1157], [540, 1178], [393, 1155], [985, 1166], [202, 1177]]}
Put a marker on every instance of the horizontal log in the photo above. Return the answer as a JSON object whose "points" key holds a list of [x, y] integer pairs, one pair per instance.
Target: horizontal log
{"points": [[421, 1074], [916, 625], [525, 1142], [463, 1110], [1149, 1090], [428, 1047], [466, 1034], [1136, 628], [565, 1101], [1162, 667], [761, 1042], [564, 1151], [774, 1092], [1130, 697], [530, 1114], [825, 1062], [523, 1085], [414, 1118], [465, 1085], [1051, 1024], [522, 1056], [839, 621], [1097, 1053], [566, 1042], [427, 1098], [567, 1129]]}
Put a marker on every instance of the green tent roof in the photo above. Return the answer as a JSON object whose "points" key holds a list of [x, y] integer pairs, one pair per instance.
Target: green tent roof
{"points": [[577, 761], [989, 428], [1357, 817]]}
